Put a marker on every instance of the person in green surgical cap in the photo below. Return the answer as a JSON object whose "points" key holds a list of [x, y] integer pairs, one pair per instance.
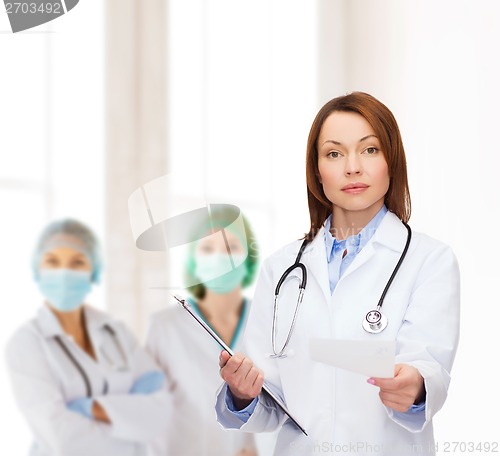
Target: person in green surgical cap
{"points": [[218, 266]]}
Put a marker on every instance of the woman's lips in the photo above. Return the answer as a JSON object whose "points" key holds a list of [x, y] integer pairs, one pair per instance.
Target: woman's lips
{"points": [[356, 187]]}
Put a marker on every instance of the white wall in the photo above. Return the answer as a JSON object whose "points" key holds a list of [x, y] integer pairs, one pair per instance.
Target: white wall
{"points": [[242, 94], [51, 162], [435, 65]]}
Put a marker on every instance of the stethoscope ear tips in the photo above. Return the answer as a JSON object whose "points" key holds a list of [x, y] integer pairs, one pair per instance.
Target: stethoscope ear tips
{"points": [[375, 322]]}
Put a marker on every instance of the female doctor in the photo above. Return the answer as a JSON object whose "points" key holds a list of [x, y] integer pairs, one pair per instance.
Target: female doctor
{"points": [[359, 203], [79, 377]]}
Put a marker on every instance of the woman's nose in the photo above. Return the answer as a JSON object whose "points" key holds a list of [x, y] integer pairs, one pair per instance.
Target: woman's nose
{"points": [[353, 165]]}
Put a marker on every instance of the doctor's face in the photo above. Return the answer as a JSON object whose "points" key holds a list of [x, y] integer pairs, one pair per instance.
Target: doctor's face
{"points": [[65, 258], [352, 167], [215, 243]]}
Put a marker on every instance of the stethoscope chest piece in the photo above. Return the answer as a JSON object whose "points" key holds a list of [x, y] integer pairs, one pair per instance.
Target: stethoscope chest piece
{"points": [[375, 322]]}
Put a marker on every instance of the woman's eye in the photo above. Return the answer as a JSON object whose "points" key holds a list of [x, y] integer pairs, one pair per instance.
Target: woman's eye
{"points": [[50, 262], [333, 154], [371, 150], [76, 264]]}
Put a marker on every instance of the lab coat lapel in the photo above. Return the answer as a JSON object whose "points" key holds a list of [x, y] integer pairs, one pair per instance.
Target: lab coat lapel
{"points": [[105, 341], [391, 233], [314, 259], [47, 322], [95, 319]]}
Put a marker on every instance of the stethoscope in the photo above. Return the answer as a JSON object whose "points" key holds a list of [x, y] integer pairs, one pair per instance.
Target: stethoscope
{"points": [[81, 370], [374, 322]]}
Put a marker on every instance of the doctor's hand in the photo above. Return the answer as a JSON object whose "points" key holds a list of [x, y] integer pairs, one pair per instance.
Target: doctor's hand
{"points": [[401, 392], [243, 378], [83, 406], [87, 407], [148, 383]]}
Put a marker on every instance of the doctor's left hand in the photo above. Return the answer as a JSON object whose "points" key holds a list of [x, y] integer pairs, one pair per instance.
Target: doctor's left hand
{"points": [[402, 391], [148, 383]]}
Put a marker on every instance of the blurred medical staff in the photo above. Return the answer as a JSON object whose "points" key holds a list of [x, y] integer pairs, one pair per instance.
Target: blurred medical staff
{"points": [[79, 377], [187, 353]]}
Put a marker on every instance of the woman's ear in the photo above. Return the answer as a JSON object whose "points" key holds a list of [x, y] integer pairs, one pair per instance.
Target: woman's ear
{"points": [[319, 178]]}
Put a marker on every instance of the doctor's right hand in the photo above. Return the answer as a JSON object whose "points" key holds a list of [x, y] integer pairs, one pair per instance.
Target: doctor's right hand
{"points": [[82, 406], [243, 378]]}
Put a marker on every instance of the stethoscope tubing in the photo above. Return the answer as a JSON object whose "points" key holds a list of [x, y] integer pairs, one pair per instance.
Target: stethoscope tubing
{"points": [[369, 327], [79, 367], [396, 269], [302, 287]]}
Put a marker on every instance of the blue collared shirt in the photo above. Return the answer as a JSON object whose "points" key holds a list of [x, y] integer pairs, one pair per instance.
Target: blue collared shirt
{"points": [[337, 262]]}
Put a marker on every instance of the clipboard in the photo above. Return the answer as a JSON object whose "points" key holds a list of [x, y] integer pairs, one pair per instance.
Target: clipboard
{"points": [[265, 388]]}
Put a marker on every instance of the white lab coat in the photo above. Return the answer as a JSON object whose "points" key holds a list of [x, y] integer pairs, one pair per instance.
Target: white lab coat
{"points": [[44, 380], [190, 359], [341, 412]]}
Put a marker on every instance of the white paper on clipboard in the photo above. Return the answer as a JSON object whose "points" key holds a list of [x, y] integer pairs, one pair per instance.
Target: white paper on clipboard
{"points": [[373, 358]]}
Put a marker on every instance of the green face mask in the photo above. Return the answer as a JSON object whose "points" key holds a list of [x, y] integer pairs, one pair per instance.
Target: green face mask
{"points": [[216, 272]]}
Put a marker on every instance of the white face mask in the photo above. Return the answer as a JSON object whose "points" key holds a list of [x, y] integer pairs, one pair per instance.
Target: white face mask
{"points": [[216, 272]]}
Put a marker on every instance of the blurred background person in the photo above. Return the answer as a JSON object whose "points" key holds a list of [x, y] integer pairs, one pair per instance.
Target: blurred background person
{"points": [[185, 351], [79, 377]]}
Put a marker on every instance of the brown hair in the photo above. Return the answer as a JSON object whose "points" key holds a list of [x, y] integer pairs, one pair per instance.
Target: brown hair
{"points": [[381, 119]]}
